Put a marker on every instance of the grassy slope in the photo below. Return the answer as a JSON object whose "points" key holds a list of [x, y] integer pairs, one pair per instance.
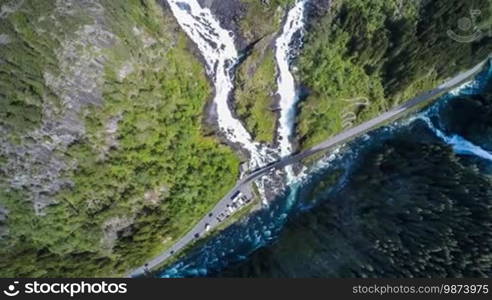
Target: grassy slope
{"points": [[262, 18], [385, 51], [161, 152], [23, 60], [256, 81]]}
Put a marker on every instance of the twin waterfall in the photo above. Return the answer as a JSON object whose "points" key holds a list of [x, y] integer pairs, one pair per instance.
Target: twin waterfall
{"points": [[218, 49], [221, 56]]}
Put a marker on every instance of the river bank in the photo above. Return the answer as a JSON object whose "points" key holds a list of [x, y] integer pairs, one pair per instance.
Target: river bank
{"points": [[236, 244], [221, 68], [291, 91]]}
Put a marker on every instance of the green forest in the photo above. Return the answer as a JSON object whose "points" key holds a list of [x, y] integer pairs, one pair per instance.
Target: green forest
{"points": [[411, 209], [107, 157], [256, 87], [364, 57], [129, 198], [256, 80]]}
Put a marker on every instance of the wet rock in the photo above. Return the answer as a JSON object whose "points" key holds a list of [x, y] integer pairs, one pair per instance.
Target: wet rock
{"points": [[317, 8], [229, 13]]}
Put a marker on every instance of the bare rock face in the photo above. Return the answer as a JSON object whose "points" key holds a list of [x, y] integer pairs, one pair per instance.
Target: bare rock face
{"points": [[36, 164], [4, 39], [155, 197], [111, 228], [10, 7], [228, 12]]}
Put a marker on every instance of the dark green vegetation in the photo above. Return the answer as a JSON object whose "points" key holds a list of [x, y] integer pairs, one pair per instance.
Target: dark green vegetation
{"points": [[144, 172], [411, 209], [256, 81], [24, 57], [471, 118], [262, 18], [364, 57]]}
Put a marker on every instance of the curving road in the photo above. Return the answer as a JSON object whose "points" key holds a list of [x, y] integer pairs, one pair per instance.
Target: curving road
{"points": [[243, 185]]}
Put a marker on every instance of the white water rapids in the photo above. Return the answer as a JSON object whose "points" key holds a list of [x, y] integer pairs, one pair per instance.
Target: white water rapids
{"points": [[287, 91], [459, 144], [218, 49], [286, 84]]}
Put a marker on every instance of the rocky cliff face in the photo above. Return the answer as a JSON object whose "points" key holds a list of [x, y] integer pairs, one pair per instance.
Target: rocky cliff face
{"points": [[54, 58], [36, 161], [104, 160], [93, 177], [229, 14]]}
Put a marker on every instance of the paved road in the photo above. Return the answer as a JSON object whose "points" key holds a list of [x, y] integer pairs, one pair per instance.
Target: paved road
{"points": [[243, 185]]}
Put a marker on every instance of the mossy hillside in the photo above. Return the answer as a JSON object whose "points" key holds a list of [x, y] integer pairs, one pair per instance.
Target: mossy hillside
{"points": [[255, 90], [25, 56], [29, 54], [383, 51], [256, 77], [136, 188], [263, 18]]}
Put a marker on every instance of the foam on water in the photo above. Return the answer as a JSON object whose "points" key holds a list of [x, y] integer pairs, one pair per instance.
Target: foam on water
{"points": [[459, 144], [287, 91], [220, 54], [218, 49]]}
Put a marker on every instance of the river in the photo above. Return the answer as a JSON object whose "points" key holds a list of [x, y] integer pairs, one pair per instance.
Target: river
{"points": [[268, 234], [238, 245]]}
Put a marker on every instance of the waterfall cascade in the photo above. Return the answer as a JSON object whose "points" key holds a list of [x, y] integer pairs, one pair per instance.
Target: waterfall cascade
{"points": [[217, 47], [287, 90]]}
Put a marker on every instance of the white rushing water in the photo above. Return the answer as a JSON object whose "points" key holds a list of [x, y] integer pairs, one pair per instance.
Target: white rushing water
{"points": [[459, 144], [287, 91], [217, 47]]}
